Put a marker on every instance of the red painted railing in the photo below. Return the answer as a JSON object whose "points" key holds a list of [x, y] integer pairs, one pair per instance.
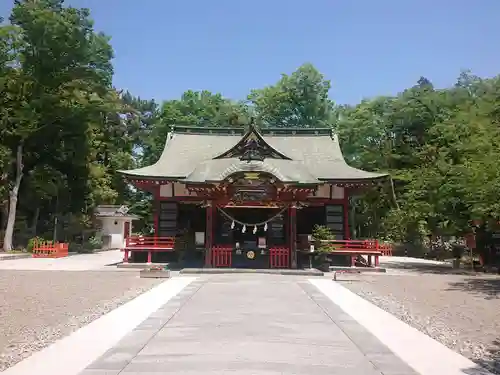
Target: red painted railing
{"points": [[140, 243], [49, 249], [279, 257], [360, 247], [222, 256], [147, 244], [385, 248]]}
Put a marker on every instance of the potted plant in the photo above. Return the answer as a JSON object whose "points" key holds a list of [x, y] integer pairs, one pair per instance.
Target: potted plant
{"points": [[155, 272], [322, 237]]}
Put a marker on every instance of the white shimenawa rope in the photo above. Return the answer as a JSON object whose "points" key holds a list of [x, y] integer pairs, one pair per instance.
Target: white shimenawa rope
{"points": [[255, 225]]}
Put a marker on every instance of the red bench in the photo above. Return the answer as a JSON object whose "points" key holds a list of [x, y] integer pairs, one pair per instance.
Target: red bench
{"points": [[354, 248], [147, 244]]}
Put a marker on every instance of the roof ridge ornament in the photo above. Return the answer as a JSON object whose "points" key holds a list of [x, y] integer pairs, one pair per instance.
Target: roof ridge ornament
{"points": [[252, 147], [252, 126], [252, 151]]}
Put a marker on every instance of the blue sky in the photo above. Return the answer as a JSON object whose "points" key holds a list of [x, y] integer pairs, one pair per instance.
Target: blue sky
{"points": [[365, 47]]}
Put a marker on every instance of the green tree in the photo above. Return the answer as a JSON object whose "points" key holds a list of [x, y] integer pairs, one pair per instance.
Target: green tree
{"points": [[298, 100], [59, 63]]}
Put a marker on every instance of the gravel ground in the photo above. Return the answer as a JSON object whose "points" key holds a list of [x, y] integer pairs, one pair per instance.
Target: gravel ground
{"points": [[39, 307], [460, 311]]}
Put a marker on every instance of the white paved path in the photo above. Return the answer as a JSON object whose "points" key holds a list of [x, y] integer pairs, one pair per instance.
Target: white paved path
{"points": [[70, 355], [424, 354], [78, 262], [386, 261], [247, 324]]}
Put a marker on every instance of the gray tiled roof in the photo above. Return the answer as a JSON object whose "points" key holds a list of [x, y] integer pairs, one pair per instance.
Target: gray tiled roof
{"points": [[314, 157]]}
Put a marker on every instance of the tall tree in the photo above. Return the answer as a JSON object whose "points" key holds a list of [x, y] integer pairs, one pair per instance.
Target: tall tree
{"points": [[61, 64], [297, 100]]}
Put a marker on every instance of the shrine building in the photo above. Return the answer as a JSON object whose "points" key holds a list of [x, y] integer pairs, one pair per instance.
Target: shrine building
{"points": [[244, 197]]}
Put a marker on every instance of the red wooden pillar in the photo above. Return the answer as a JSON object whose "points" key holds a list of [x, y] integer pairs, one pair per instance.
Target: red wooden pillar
{"points": [[347, 234], [156, 211], [209, 234], [292, 224], [126, 229]]}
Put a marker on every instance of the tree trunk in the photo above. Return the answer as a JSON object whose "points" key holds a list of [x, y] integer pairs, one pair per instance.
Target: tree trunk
{"points": [[3, 215], [34, 222], [4, 204], [13, 194]]}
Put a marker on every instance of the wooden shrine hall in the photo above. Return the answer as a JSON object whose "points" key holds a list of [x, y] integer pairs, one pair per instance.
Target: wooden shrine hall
{"points": [[236, 197]]}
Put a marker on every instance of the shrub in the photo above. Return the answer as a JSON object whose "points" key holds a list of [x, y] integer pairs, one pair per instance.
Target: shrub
{"points": [[322, 233], [77, 248], [31, 243]]}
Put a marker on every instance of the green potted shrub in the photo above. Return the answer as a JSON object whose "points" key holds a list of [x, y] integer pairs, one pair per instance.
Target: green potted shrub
{"points": [[322, 237]]}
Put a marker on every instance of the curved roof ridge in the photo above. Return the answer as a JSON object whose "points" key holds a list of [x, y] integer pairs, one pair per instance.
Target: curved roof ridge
{"points": [[251, 130]]}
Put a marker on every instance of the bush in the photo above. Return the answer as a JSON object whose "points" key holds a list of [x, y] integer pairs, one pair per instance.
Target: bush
{"points": [[77, 248], [95, 243], [322, 233], [31, 243]]}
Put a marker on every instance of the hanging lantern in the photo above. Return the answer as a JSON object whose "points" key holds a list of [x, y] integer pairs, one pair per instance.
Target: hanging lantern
{"points": [[232, 225], [265, 227], [244, 229], [255, 229]]}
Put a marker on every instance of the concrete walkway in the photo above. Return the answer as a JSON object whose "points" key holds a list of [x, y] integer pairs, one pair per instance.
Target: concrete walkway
{"points": [[78, 262], [250, 324]]}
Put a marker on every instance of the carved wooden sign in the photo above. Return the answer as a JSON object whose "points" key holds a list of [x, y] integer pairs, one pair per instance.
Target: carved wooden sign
{"points": [[250, 195]]}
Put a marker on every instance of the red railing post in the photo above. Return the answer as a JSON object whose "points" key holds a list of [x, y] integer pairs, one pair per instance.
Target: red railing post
{"points": [[279, 257]]}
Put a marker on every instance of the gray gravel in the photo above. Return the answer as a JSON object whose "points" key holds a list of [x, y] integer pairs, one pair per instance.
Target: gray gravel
{"points": [[460, 311], [39, 307]]}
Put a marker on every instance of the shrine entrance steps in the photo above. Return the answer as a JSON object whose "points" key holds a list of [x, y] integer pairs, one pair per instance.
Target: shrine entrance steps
{"points": [[266, 271]]}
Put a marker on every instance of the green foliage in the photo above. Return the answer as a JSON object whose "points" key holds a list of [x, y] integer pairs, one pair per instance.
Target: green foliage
{"points": [[298, 100], [32, 241], [95, 243], [70, 130], [321, 235], [440, 147], [74, 130]]}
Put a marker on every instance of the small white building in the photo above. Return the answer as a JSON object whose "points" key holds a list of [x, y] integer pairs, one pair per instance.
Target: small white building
{"points": [[115, 225]]}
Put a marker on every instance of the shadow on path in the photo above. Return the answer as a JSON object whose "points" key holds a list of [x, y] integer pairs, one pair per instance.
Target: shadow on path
{"points": [[429, 268], [490, 361], [489, 287]]}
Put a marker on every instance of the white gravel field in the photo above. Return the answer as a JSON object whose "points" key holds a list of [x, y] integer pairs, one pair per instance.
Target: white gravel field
{"points": [[39, 307]]}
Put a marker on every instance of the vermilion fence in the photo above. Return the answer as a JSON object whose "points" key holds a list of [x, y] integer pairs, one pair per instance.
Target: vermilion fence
{"points": [[49, 249], [279, 257], [221, 256]]}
